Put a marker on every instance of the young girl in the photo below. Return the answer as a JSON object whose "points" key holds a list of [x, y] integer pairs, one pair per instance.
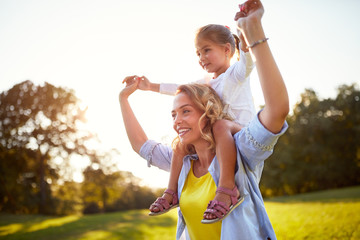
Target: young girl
{"points": [[215, 46]]}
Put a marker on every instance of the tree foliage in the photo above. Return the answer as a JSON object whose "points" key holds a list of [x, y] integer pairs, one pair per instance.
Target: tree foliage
{"points": [[113, 192], [321, 148], [37, 123]]}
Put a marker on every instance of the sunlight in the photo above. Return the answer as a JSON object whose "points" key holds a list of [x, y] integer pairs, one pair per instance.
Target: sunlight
{"points": [[79, 163], [53, 223], [10, 229], [98, 235], [17, 227], [78, 176]]}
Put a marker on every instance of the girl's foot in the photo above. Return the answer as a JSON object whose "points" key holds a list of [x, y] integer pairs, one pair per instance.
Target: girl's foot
{"points": [[224, 203], [168, 201]]}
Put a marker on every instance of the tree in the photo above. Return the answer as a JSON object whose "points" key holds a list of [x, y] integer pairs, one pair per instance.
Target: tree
{"points": [[115, 191], [67, 198], [44, 121], [18, 189], [321, 148]]}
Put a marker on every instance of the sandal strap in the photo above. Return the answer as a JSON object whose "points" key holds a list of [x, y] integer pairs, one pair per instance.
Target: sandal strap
{"points": [[214, 212], [174, 195], [232, 193], [219, 209], [161, 203]]}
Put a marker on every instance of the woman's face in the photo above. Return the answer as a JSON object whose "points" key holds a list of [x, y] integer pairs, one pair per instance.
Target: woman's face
{"points": [[186, 118]]}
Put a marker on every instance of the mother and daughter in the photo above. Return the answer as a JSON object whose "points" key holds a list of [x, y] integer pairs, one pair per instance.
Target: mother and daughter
{"points": [[217, 158]]}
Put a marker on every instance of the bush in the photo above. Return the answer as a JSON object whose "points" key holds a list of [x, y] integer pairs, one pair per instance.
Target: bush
{"points": [[91, 208]]}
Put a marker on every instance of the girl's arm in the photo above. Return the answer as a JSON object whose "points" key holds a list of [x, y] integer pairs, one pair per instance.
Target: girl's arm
{"points": [[244, 67], [146, 85], [136, 134], [275, 94]]}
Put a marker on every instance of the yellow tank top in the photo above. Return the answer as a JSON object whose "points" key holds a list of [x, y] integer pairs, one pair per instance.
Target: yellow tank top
{"points": [[195, 196]]}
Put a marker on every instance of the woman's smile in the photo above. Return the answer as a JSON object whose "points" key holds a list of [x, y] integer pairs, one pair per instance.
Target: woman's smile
{"points": [[183, 131], [186, 119]]}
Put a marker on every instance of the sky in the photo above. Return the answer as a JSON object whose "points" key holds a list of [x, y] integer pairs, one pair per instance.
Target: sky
{"points": [[92, 45]]}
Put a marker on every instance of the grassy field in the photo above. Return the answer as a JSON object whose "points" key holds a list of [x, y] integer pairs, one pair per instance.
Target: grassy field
{"points": [[331, 214]]}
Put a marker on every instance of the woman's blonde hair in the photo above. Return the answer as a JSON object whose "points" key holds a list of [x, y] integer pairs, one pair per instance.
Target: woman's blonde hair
{"points": [[207, 100]]}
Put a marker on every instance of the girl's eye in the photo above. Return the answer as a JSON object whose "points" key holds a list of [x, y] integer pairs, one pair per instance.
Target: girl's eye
{"points": [[186, 111]]}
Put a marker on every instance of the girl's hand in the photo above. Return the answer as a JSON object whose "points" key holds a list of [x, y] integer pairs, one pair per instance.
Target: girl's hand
{"points": [[132, 83], [144, 84]]}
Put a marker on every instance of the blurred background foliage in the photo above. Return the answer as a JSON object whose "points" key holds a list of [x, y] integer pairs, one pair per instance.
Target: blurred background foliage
{"points": [[42, 128], [321, 149]]}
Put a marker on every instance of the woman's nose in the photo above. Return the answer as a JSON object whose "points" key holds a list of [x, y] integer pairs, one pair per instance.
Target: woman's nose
{"points": [[177, 120]]}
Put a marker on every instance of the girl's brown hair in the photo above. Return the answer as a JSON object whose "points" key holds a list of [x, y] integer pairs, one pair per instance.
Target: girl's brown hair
{"points": [[221, 35]]}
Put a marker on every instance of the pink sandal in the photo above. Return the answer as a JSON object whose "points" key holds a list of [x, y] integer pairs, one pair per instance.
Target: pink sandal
{"points": [[219, 209], [163, 204]]}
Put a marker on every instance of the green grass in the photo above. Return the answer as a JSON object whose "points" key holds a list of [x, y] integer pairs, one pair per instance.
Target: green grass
{"points": [[333, 214], [349, 194], [127, 225]]}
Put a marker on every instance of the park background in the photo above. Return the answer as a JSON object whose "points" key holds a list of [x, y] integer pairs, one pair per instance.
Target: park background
{"points": [[90, 46]]}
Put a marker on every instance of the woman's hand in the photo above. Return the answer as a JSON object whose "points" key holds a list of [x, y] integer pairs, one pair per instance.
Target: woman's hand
{"points": [[132, 83], [274, 90], [249, 11], [136, 134], [249, 19]]}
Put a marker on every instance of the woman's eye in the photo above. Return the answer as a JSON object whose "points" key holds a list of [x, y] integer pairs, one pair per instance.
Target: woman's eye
{"points": [[186, 111]]}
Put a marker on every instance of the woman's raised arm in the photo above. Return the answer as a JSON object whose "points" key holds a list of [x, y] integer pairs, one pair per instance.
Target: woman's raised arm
{"points": [[275, 94], [136, 134]]}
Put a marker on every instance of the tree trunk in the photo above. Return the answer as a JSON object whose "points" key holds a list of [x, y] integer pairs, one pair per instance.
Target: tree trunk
{"points": [[42, 203]]}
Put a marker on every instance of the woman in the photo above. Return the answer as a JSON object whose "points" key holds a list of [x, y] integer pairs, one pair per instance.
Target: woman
{"points": [[195, 109]]}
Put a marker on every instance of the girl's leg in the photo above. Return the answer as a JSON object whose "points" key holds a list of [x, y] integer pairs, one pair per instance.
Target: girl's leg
{"points": [[223, 131], [175, 169]]}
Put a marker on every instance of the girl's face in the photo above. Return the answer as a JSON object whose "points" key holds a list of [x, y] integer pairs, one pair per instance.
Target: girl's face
{"points": [[213, 58], [186, 118]]}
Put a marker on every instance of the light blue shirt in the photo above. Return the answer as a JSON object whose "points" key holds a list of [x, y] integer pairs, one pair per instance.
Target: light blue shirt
{"points": [[254, 144]]}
